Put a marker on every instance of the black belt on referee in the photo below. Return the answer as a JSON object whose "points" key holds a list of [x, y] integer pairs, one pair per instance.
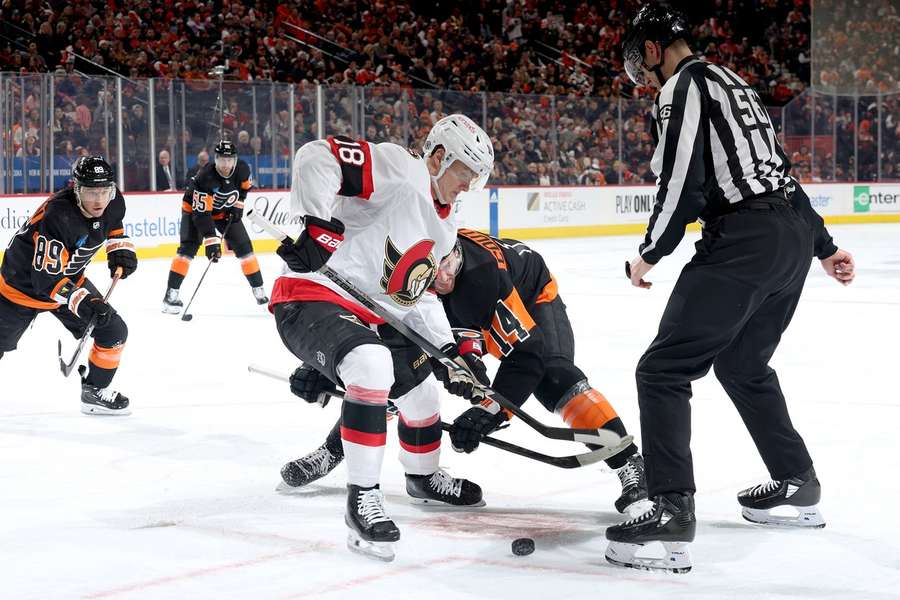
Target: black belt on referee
{"points": [[764, 201]]}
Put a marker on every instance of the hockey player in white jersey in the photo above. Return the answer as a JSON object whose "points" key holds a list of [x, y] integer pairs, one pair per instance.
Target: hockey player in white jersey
{"points": [[380, 215]]}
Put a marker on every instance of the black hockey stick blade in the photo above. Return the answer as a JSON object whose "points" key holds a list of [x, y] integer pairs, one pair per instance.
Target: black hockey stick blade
{"points": [[563, 462]]}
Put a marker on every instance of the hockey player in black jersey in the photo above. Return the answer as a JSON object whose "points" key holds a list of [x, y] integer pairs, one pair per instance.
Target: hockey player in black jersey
{"points": [[43, 271], [502, 292], [214, 200]]}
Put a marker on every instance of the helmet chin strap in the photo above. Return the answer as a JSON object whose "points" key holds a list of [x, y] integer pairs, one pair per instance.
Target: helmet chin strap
{"points": [[437, 190], [657, 69]]}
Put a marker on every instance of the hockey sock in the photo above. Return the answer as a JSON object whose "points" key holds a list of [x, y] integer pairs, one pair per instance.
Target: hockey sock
{"points": [[178, 270], [589, 409], [363, 433], [250, 267], [103, 362], [420, 444]]}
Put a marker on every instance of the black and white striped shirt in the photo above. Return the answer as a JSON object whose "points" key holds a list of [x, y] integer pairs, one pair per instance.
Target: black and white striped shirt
{"points": [[715, 146]]}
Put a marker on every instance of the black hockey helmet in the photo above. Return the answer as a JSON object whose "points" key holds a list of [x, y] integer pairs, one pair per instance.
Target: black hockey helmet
{"points": [[226, 148], [93, 171], [655, 22]]}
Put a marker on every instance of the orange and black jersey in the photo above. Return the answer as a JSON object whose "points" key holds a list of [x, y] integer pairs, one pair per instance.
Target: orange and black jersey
{"points": [[497, 289], [209, 195], [53, 248]]}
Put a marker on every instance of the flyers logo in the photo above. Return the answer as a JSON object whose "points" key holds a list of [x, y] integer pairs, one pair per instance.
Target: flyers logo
{"points": [[224, 199], [80, 258], [408, 274]]}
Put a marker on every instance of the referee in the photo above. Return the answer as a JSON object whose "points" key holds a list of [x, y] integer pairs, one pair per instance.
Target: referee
{"points": [[717, 160]]}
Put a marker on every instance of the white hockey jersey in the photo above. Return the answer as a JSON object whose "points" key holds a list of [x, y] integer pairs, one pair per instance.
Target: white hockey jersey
{"points": [[394, 237]]}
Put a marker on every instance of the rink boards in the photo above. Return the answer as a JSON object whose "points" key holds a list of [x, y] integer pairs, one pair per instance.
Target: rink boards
{"points": [[153, 218]]}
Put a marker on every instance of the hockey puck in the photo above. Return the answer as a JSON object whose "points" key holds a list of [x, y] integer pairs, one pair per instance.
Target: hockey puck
{"points": [[523, 546]]}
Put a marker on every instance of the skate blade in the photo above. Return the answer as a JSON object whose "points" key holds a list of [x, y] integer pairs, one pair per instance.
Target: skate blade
{"points": [[677, 558], [807, 517], [289, 490], [382, 551], [93, 409], [171, 310], [431, 502]]}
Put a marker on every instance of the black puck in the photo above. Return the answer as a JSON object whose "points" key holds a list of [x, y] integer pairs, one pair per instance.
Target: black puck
{"points": [[523, 546]]}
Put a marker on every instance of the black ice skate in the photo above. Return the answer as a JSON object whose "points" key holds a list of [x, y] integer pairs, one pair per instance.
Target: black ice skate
{"points": [[801, 493], [634, 485], [671, 521], [171, 304], [102, 401], [441, 488], [260, 294], [312, 467], [372, 532]]}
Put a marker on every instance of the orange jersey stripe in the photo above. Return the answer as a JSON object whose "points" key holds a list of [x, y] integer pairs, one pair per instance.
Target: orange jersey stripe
{"points": [[17, 297], [549, 293]]}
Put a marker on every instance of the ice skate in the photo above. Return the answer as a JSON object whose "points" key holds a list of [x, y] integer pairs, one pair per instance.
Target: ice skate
{"points": [[171, 304], [312, 467], [634, 486], [259, 293], [670, 521], [371, 532], [440, 488], [103, 401], [799, 495]]}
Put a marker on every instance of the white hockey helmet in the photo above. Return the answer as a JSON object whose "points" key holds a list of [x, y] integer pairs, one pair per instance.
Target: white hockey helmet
{"points": [[464, 141]]}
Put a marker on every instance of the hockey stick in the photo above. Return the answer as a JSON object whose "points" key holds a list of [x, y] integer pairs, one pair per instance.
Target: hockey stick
{"points": [[564, 462], [185, 316], [67, 367], [600, 437]]}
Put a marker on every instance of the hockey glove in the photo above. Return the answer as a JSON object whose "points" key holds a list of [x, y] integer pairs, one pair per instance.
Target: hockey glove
{"points": [[466, 382], [120, 253], [314, 246], [213, 247], [312, 386], [470, 427], [89, 307]]}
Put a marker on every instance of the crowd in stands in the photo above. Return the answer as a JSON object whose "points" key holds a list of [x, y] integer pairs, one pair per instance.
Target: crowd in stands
{"points": [[544, 76]]}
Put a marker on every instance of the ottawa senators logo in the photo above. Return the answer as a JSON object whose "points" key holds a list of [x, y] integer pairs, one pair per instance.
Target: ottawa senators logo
{"points": [[407, 275]]}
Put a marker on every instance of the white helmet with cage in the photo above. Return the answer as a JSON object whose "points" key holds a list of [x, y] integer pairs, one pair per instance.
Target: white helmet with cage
{"points": [[464, 141]]}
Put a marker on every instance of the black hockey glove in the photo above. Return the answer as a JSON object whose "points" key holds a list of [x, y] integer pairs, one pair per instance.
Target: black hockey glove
{"points": [[90, 307], [465, 382], [312, 386], [470, 427], [314, 246], [120, 253], [213, 247]]}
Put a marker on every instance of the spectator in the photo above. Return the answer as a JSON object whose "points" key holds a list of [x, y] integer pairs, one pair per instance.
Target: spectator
{"points": [[202, 159], [166, 177]]}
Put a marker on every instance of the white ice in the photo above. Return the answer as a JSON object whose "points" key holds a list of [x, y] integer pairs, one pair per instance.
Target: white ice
{"points": [[177, 500]]}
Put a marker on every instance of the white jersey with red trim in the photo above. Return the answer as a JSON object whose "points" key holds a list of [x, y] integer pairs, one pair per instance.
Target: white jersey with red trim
{"points": [[394, 237]]}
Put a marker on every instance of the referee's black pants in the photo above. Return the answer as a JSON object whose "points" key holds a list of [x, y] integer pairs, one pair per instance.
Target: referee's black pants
{"points": [[728, 309]]}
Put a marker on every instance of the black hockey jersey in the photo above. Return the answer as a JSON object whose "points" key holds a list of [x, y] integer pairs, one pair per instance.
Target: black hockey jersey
{"points": [[209, 195], [500, 281], [54, 247]]}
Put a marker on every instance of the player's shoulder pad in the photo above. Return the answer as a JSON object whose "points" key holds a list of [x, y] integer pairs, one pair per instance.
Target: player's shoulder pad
{"points": [[206, 179]]}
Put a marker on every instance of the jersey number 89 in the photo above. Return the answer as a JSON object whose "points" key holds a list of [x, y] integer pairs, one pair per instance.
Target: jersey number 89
{"points": [[47, 255]]}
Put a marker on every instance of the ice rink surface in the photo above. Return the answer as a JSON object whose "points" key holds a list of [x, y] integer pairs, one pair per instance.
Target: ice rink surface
{"points": [[177, 500]]}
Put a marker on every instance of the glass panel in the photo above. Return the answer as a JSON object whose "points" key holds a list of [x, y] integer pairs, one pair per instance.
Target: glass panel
{"points": [[136, 133], [798, 135], [304, 115], [339, 106], [637, 149], [520, 125], [867, 139], [844, 169], [822, 146], [426, 107], [890, 137]]}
